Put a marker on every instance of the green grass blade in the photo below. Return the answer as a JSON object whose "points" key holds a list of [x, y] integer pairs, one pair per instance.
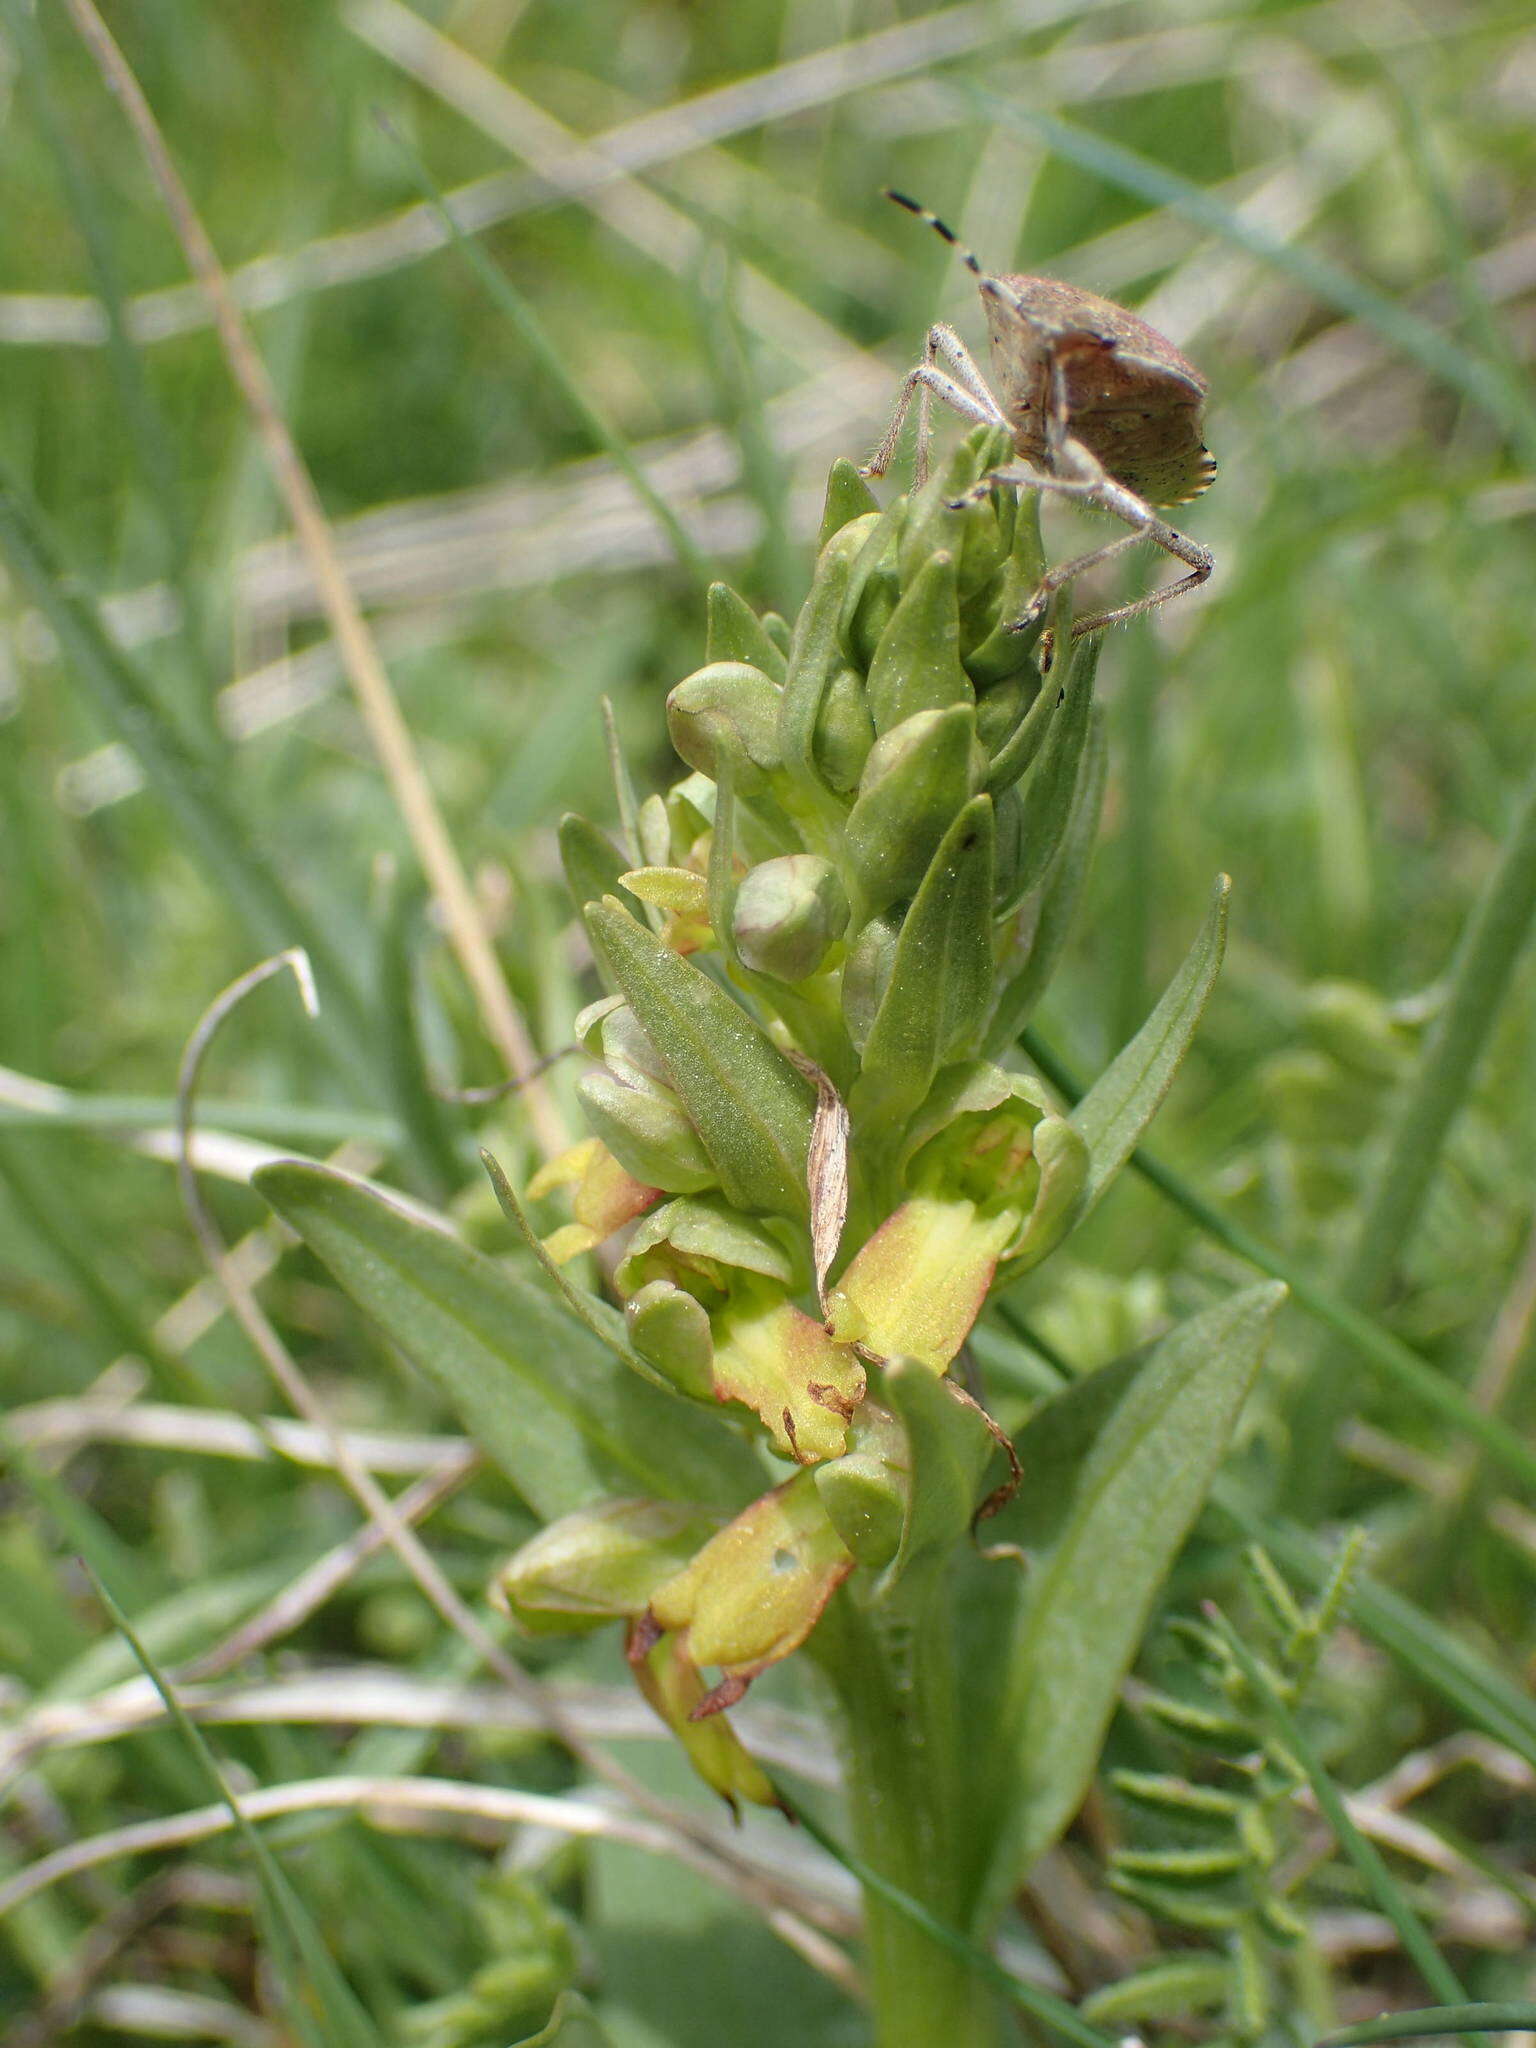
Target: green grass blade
{"points": [[1490, 2018], [215, 837], [1492, 944], [1392, 1358], [164, 498], [324, 2008], [503, 294]]}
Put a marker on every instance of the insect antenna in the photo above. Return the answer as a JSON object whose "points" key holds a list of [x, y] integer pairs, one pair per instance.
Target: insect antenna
{"points": [[991, 285]]}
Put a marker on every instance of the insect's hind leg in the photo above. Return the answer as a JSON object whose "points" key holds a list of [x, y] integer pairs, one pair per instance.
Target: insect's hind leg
{"points": [[959, 385], [1109, 496]]}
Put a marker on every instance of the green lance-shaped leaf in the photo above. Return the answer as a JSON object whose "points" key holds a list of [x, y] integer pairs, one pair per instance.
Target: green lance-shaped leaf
{"points": [[747, 1103], [541, 1395], [848, 498], [815, 658], [1125, 1510], [917, 777], [1052, 787], [1056, 906], [949, 1446], [735, 633], [940, 988], [1121, 1103], [916, 666], [592, 863]]}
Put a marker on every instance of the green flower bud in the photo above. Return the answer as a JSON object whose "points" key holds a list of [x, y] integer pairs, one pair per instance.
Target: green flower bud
{"points": [[1357, 1027], [670, 1330], [845, 732], [706, 1246], [917, 777], [728, 714], [916, 666], [873, 587], [648, 1132], [789, 913], [599, 1564]]}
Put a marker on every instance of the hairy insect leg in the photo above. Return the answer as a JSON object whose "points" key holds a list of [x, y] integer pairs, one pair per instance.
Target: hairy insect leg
{"points": [[959, 385]]}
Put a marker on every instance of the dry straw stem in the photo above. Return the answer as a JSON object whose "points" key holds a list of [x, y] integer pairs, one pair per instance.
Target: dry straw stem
{"points": [[360, 656], [392, 1802]]}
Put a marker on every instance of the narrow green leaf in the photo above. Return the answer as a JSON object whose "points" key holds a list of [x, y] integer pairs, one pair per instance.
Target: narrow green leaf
{"points": [[572, 2024], [322, 2005], [1121, 1103], [538, 1393], [1387, 1353], [748, 1104], [1487, 2018], [940, 988], [1059, 897], [1136, 1497], [592, 863], [219, 841], [1050, 792]]}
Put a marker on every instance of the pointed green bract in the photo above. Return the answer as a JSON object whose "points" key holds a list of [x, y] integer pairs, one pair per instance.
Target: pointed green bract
{"points": [[1118, 1107], [916, 666], [736, 633], [936, 1002], [751, 1109]]}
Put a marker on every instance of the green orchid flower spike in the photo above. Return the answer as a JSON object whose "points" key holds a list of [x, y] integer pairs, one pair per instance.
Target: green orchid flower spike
{"points": [[812, 1157]]}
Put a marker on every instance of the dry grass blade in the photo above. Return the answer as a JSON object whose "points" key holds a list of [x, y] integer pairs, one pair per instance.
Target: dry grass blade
{"points": [[376, 697], [482, 1811]]}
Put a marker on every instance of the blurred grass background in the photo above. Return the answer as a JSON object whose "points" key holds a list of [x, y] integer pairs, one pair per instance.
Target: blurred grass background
{"points": [[687, 198]]}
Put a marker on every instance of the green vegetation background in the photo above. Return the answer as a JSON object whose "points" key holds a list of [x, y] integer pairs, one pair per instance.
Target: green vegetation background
{"points": [[1344, 720]]}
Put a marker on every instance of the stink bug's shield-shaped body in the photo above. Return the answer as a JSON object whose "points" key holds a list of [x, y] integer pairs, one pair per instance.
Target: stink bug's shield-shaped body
{"points": [[1099, 405], [1131, 398]]}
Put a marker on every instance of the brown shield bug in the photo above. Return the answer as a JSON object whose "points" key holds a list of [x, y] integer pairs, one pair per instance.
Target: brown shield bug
{"points": [[1100, 407]]}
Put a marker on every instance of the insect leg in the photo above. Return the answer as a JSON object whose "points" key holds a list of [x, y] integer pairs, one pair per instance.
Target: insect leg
{"points": [[1092, 487], [960, 385]]}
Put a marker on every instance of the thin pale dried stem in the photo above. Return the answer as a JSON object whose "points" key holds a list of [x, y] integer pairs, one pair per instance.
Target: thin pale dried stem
{"points": [[369, 1696], [392, 1802], [328, 1574], [104, 1418], [376, 698]]}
